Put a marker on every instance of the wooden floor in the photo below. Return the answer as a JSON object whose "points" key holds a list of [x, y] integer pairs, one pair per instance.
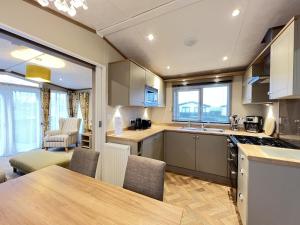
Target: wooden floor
{"points": [[204, 203]]}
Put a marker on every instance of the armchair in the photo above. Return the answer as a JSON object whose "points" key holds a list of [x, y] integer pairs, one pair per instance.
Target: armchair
{"points": [[65, 136]]}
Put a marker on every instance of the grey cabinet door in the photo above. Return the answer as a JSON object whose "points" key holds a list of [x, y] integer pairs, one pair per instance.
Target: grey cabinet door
{"points": [[137, 85], [153, 147], [211, 154], [180, 149]]}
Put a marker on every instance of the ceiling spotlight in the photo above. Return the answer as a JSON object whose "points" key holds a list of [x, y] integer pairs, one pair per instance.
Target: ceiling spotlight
{"points": [[236, 12], [168, 67], [150, 37], [60, 79], [225, 58]]}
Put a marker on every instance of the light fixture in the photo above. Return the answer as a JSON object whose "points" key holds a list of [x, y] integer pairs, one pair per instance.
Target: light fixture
{"points": [[39, 58], [236, 12], [66, 6], [60, 79], [225, 58], [168, 67], [38, 73], [150, 37]]}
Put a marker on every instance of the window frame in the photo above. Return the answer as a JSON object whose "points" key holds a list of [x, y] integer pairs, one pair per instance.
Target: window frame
{"points": [[200, 87]]}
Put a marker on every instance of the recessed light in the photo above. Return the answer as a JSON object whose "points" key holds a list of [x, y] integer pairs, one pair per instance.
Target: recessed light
{"points": [[60, 79], [150, 37], [225, 58], [168, 67], [236, 12]]}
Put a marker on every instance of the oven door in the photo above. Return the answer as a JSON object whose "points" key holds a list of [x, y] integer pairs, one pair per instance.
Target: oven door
{"points": [[232, 160]]}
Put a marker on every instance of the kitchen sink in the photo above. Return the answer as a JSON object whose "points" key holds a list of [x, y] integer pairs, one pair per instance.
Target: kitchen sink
{"points": [[278, 153], [202, 129]]}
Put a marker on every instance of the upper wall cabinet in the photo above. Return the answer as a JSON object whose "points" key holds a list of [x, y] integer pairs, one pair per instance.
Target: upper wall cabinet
{"points": [[255, 92], [126, 84], [127, 81], [156, 82], [285, 63]]}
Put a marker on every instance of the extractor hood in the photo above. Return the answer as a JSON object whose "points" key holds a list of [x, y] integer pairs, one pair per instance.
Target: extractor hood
{"points": [[259, 80]]}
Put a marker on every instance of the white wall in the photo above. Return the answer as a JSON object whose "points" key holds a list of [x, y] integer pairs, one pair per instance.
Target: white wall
{"points": [[164, 115], [127, 114]]}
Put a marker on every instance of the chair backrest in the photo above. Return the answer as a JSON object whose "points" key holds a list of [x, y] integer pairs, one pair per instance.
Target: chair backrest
{"points": [[145, 176], [69, 124], [84, 161]]}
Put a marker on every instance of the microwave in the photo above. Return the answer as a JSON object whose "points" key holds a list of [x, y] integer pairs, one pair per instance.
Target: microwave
{"points": [[151, 96]]}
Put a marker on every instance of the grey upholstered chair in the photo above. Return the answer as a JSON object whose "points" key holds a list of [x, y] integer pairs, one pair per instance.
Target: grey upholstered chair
{"points": [[145, 176], [84, 161]]}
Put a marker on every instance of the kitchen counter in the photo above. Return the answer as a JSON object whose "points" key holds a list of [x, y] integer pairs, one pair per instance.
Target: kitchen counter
{"points": [[273, 155], [139, 135]]}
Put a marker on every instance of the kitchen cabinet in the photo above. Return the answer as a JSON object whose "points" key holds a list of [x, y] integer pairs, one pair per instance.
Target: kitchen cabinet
{"points": [[153, 147], [180, 149], [211, 154], [126, 84], [158, 83], [285, 63], [258, 92], [268, 192]]}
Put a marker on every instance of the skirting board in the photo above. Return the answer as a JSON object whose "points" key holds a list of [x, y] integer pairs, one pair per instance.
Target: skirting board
{"points": [[200, 175]]}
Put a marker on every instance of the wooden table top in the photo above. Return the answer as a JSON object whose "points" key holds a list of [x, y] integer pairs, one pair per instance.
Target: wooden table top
{"points": [[55, 195]]}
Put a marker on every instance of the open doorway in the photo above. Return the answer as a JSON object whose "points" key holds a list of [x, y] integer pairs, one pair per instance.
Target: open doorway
{"points": [[30, 111]]}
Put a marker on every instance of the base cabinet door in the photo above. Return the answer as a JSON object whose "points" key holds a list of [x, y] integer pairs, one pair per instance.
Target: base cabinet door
{"points": [[180, 149], [211, 154], [153, 147]]}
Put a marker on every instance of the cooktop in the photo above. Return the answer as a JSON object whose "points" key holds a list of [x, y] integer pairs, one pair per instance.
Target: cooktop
{"points": [[274, 142]]}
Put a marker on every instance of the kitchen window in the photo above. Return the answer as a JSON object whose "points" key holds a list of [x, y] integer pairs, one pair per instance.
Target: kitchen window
{"points": [[205, 103]]}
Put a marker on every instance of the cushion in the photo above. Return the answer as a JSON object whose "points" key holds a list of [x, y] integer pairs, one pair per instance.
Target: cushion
{"points": [[35, 160], [2, 176], [56, 138]]}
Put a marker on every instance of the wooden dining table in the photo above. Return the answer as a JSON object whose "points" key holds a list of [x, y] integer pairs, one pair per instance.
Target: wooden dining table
{"points": [[58, 196]]}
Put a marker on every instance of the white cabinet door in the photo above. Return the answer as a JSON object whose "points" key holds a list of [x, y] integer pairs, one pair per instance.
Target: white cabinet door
{"points": [[247, 88], [137, 85], [150, 78], [281, 65], [161, 93]]}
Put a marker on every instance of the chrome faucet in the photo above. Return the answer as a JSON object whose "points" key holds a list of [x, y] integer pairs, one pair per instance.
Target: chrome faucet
{"points": [[202, 125]]}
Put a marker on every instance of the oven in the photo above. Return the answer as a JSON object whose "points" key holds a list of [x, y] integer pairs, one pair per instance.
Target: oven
{"points": [[232, 165]]}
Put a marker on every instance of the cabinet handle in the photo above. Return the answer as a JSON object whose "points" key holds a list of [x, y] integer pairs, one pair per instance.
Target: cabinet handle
{"points": [[233, 172], [229, 160], [242, 171], [242, 157], [241, 197], [269, 92]]}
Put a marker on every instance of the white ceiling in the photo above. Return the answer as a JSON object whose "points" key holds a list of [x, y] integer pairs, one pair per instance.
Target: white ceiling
{"points": [[72, 76], [208, 23]]}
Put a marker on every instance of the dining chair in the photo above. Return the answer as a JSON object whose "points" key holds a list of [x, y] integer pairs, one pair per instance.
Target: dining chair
{"points": [[145, 176], [84, 161]]}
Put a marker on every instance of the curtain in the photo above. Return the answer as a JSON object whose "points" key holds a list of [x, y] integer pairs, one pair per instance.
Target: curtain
{"points": [[59, 104], [74, 100], [20, 119], [45, 94], [84, 107]]}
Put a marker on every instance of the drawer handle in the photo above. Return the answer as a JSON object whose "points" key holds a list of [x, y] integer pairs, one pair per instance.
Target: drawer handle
{"points": [[229, 160], [232, 154], [242, 171], [242, 157], [241, 197]]}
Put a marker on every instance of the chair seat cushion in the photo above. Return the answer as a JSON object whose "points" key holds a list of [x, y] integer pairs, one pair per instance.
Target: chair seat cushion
{"points": [[35, 160], [2, 176], [56, 138]]}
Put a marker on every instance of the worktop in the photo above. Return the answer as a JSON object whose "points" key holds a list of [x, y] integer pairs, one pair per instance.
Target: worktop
{"points": [[273, 155], [140, 135]]}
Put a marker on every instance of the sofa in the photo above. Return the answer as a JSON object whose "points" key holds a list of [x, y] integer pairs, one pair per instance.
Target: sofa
{"points": [[64, 137]]}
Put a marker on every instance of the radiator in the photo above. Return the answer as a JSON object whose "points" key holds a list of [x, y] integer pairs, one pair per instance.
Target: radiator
{"points": [[114, 161]]}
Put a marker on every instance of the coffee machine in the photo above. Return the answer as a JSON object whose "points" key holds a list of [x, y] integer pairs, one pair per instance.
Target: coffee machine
{"points": [[253, 124]]}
